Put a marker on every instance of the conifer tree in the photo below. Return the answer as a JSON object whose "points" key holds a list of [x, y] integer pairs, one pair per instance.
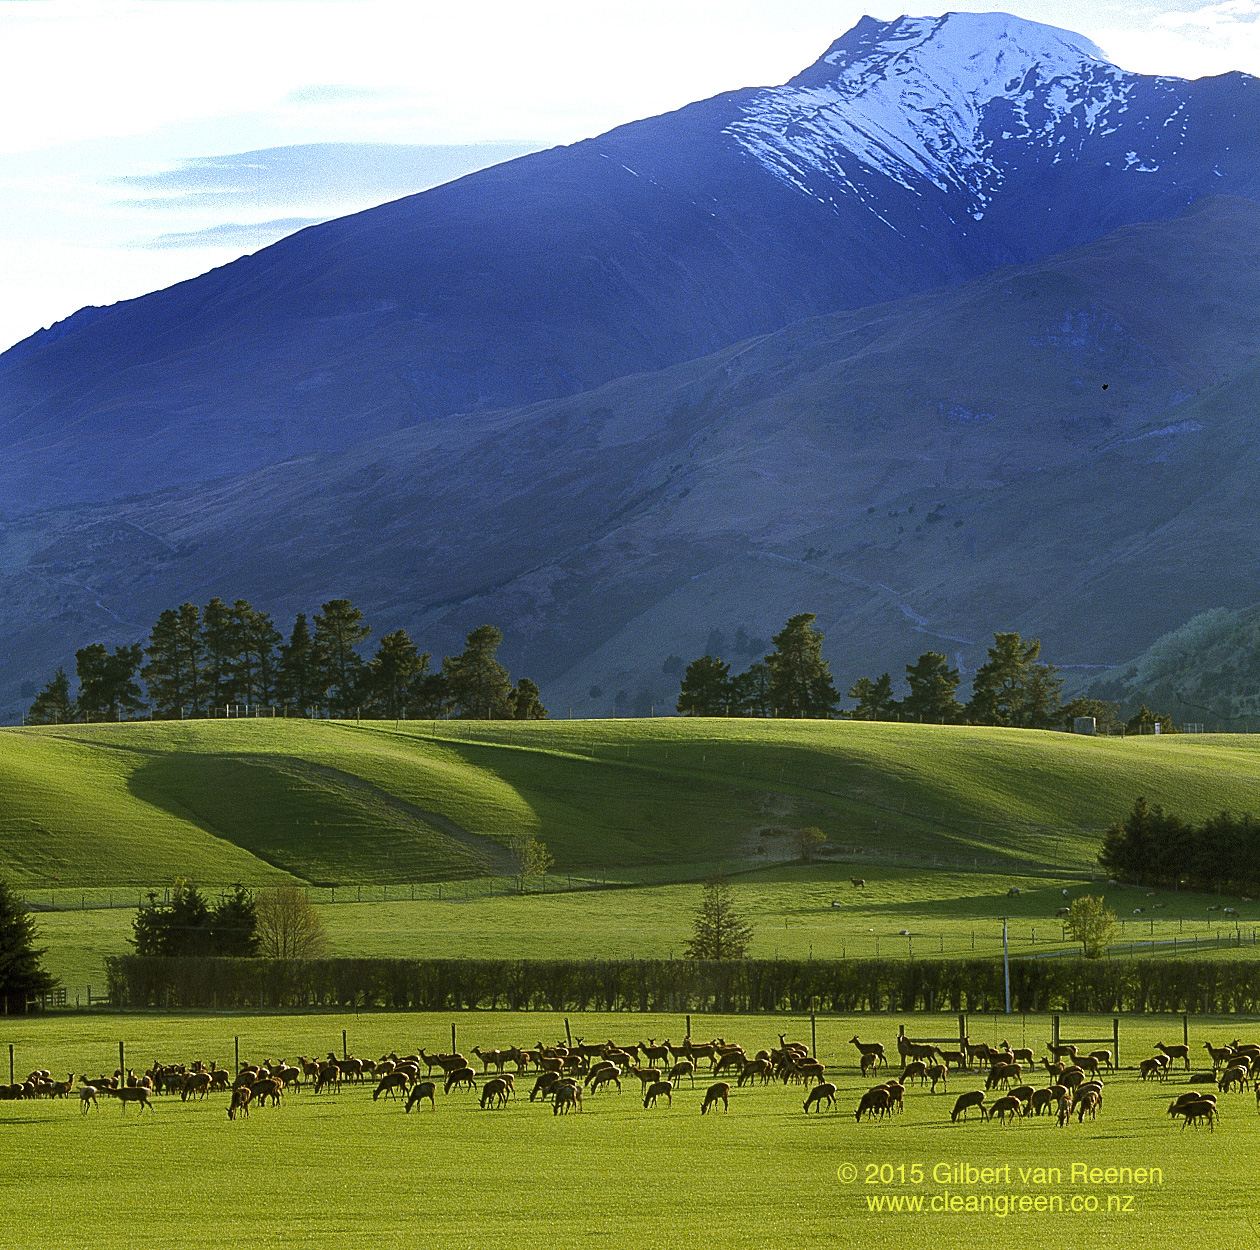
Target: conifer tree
{"points": [[801, 678], [53, 705], [339, 630], [932, 684], [706, 688], [299, 672], [478, 686], [107, 685], [526, 701], [718, 930], [21, 977]]}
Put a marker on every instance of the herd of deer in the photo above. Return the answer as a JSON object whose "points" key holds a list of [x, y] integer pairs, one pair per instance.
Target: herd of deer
{"points": [[1075, 1085], [566, 1073]]}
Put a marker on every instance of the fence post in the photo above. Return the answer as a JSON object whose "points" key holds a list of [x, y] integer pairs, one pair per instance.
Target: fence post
{"points": [[567, 1031], [813, 1035], [1185, 1029], [1054, 1030], [689, 1028], [122, 1065], [345, 1054], [453, 1050], [1115, 1039], [236, 1047], [11, 1080]]}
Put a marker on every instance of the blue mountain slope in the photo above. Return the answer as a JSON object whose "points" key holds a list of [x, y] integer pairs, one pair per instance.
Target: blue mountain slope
{"points": [[914, 153]]}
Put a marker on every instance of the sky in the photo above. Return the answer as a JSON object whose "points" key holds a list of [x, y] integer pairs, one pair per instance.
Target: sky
{"points": [[145, 141]]}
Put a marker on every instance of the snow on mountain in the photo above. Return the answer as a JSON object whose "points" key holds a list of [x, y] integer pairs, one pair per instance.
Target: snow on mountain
{"points": [[916, 99]]}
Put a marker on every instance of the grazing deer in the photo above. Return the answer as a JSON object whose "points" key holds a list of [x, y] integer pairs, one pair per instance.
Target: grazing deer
{"points": [[656, 1090], [965, 1102], [567, 1097], [719, 1090], [420, 1090], [241, 1096], [496, 1091], [824, 1093]]}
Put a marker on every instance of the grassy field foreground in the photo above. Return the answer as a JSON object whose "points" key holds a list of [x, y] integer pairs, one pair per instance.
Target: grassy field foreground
{"points": [[342, 1170], [334, 802]]}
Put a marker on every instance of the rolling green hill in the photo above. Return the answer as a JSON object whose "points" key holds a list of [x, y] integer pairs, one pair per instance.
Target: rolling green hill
{"points": [[339, 803]]}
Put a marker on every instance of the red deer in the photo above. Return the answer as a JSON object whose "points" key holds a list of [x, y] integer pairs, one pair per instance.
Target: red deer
{"points": [[1087, 1102], [647, 1076], [496, 1091], [877, 1101], [421, 1090], [681, 1069], [461, 1076], [1232, 1076], [656, 1090], [195, 1084], [543, 1085], [87, 1094], [965, 1102], [1003, 1074], [393, 1083], [1154, 1068], [938, 1072], [1201, 1110], [567, 1097], [875, 1049], [1006, 1108], [824, 1093], [756, 1068], [719, 1090], [240, 1101], [267, 1087], [611, 1075], [916, 1070], [133, 1093], [1175, 1052]]}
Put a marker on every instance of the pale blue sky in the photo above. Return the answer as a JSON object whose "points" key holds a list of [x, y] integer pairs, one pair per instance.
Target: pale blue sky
{"points": [[108, 108]]}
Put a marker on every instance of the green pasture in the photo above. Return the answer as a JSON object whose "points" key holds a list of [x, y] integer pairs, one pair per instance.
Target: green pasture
{"points": [[946, 913], [337, 803], [341, 1170]]}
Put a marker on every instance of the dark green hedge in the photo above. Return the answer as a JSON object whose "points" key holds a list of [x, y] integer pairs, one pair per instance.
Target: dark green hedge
{"points": [[753, 985]]}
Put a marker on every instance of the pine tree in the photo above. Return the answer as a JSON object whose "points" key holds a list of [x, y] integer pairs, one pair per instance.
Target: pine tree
{"points": [[299, 672], [752, 691], [718, 930], [706, 688], [391, 673], [21, 977], [874, 698], [173, 673], [107, 685], [254, 638], [53, 705], [339, 630], [1011, 688], [526, 701], [233, 925], [478, 685], [801, 678], [932, 684], [180, 927], [218, 635]]}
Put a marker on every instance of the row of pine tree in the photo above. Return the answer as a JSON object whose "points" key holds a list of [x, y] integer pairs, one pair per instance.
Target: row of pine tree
{"points": [[1011, 688], [201, 661]]}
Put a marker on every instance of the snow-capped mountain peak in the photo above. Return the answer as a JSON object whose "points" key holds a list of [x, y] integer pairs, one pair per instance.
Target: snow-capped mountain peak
{"points": [[913, 99]]}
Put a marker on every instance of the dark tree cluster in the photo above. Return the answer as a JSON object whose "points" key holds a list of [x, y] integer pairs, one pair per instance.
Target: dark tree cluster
{"points": [[1012, 688], [200, 661], [189, 926], [793, 680], [1154, 847], [21, 977]]}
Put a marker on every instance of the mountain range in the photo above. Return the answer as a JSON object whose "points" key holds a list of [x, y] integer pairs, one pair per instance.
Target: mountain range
{"points": [[956, 331]]}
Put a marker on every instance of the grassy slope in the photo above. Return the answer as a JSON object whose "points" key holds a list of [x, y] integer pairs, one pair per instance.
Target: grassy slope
{"points": [[358, 1173], [139, 804], [948, 914]]}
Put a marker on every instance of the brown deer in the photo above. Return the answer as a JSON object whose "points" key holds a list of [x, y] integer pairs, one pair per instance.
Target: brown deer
{"points": [[241, 1096], [496, 1091], [133, 1093], [656, 1090], [964, 1102], [719, 1090], [421, 1090], [824, 1093]]}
